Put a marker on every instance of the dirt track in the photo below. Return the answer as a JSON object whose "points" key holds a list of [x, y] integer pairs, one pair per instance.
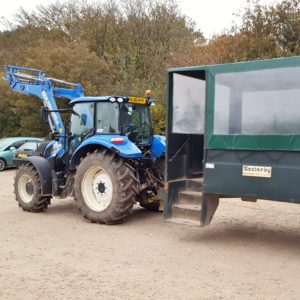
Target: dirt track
{"points": [[251, 251]]}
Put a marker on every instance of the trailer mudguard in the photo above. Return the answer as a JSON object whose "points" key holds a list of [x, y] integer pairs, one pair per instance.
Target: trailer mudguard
{"points": [[117, 143], [158, 147], [43, 168]]}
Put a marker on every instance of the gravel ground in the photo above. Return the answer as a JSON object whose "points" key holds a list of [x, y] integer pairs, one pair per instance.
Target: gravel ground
{"points": [[250, 251]]}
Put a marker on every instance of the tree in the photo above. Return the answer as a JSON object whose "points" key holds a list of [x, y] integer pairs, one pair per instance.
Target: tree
{"points": [[125, 47]]}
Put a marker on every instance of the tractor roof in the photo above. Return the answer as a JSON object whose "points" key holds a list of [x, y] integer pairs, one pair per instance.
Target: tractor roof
{"points": [[93, 99]]}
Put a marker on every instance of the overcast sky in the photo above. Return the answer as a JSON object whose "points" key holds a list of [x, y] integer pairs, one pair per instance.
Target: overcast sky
{"points": [[211, 16]]}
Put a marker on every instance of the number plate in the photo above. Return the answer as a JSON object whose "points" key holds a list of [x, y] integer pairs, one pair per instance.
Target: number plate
{"points": [[137, 100], [22, 155]]}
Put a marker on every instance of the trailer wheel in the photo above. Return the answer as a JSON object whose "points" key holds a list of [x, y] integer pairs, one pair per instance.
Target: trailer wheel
{"points": [[105, 188], [27, 189], [155, 203], [2, 164]]}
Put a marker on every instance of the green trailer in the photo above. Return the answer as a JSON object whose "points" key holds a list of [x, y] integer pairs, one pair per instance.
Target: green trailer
{"points": [[233, 132]]}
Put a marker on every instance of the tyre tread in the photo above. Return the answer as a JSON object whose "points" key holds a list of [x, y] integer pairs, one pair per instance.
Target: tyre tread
{"points": [[123, 200], [39, 202]]}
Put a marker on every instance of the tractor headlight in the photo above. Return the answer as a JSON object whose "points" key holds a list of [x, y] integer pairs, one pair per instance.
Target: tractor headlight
{"points": [[120, 100], [112, 99]]}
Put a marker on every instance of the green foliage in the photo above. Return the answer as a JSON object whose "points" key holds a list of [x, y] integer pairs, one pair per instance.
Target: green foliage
{"points": [[159, 119], [125, 47]]}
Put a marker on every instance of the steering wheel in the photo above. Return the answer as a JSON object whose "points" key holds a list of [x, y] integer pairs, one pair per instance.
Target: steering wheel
{"points": [[131, 128]]}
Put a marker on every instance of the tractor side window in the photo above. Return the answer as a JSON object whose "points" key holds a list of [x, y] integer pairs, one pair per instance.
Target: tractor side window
{"points": [[82, 120], [136, 123], [107, 119]]}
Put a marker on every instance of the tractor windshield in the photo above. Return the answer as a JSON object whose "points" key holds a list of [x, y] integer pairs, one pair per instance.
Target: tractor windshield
{"points": [[136, 123], [128, 119]]}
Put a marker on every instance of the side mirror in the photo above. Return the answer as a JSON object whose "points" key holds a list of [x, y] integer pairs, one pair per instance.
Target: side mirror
{"points": [[44, 114], [12, 149]]}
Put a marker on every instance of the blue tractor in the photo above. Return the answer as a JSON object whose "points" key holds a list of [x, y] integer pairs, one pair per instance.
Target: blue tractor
{"points": [[108, 159]]}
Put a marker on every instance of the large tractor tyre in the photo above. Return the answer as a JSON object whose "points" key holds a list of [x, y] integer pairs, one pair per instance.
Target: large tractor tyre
{"points": [[155, 203], [2, 164], [27, 189], [105, 188]]}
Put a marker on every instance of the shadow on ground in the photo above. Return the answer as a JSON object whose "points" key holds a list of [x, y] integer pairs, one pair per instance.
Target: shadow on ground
{"points": [[69, 207], [263, 235]]}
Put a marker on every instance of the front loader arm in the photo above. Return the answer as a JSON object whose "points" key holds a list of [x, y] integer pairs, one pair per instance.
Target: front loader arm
{"points": [[34, 82]]}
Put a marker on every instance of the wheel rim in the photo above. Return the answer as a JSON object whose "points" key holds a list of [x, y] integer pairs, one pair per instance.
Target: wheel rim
{"points": [[97, 189], [2, 165], [25, 188]]}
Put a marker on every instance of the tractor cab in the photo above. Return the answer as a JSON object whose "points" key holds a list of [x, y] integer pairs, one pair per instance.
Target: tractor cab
{"points": [[112, 115], [233, 131]]}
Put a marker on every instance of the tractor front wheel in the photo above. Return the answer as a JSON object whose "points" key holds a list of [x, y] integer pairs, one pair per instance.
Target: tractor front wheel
{"points": [[27, 189], [105, 188]]}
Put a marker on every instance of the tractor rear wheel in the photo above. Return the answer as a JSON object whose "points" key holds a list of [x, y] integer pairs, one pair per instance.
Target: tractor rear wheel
{"points": [[105, 188], [27, 189]]}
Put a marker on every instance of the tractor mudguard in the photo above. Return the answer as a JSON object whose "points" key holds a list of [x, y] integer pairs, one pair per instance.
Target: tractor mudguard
{"points": [[158, 147], [43, 168], [120, 144]]}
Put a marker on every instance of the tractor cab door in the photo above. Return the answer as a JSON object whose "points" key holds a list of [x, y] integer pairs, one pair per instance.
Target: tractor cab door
{"points": [[82, 123]]}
